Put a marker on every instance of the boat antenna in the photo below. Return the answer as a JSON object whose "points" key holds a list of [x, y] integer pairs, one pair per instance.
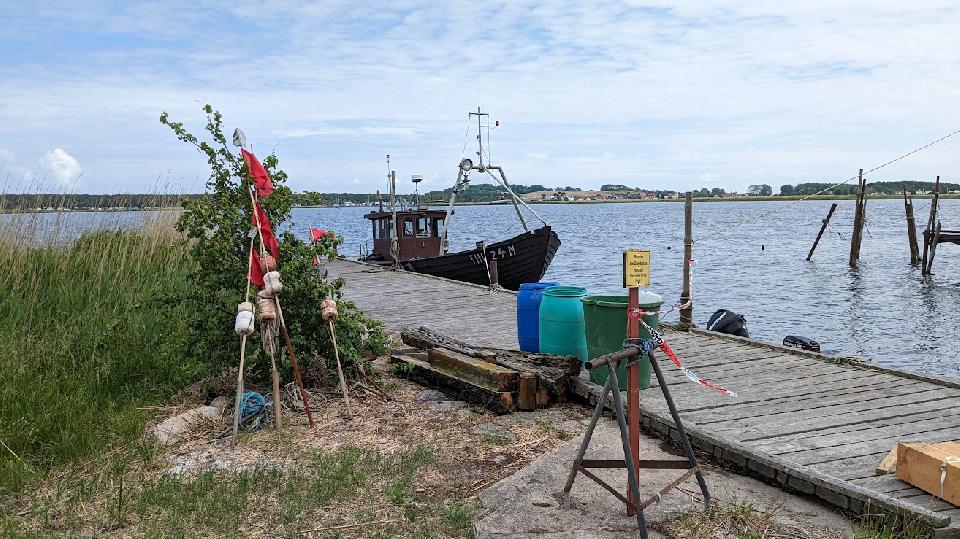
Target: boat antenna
{"points": [[416, 179], [479, 115]]}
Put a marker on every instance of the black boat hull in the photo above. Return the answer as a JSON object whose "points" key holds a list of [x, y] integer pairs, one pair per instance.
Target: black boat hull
{"points": [[520, 259]]}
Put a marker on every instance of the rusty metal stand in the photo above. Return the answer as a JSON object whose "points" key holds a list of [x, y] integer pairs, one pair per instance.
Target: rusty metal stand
{"points": [[583, 465]]}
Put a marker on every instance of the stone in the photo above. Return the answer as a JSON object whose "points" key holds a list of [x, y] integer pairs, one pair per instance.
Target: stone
{"points": [[494, 431], [174, 428]]}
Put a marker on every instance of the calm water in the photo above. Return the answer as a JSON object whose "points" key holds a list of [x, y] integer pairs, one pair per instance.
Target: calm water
{"points": [[884, 311]]}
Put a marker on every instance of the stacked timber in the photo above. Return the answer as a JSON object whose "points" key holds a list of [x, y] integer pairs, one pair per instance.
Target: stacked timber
{"points": [[501, 380]]}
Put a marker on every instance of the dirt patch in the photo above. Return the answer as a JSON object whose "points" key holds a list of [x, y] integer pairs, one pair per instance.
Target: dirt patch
{"points": [[410, 466]]}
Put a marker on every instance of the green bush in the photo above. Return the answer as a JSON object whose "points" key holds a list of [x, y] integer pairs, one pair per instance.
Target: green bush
{"points": [[218, 225]]}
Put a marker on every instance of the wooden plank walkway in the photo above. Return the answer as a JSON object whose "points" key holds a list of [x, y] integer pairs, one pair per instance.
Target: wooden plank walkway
{"points": [[810, 422]]}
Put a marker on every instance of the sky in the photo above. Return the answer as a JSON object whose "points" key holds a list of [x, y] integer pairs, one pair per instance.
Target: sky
{"points": [[668, 95]]}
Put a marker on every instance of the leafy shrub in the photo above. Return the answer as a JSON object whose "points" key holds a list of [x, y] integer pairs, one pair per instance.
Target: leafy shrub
{"points": [[218, 225]]}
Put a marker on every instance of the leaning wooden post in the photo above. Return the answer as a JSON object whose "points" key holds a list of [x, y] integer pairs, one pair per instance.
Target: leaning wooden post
{"points": [[857, 223], [686, 313], [928, 232], [823, 228], [911, 227]]}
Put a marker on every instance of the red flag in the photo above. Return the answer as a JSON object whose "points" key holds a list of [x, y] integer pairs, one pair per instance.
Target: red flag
{"points": [[316, 234], [259, 174], [260, 219], [254, 273]]}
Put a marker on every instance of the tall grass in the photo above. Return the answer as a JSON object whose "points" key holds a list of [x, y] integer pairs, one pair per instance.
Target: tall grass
{"points": [[90, 332]]}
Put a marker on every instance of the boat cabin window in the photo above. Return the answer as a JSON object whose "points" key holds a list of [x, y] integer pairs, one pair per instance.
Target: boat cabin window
{"points": [[408, 227], [422, 230], [437, 226], [381, 229]]}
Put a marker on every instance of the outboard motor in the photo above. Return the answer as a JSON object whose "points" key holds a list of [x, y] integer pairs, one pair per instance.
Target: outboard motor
{"points": [[803, 343], [729, 322]]}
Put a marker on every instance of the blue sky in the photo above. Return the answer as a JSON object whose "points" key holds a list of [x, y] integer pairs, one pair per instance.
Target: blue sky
{"points": [[672, 95]]}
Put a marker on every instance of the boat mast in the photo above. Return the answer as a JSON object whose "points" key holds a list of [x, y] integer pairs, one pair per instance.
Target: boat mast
{"points": [[484, 168], [394, 236], [466, 165]]}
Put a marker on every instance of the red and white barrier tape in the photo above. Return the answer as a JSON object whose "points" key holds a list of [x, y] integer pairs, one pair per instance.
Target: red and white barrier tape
{"points": [[689, 303], [658, 339]]}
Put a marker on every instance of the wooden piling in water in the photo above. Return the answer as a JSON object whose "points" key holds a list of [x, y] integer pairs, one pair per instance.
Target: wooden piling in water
{"points": [[686, 314], [826, 221], [858, 221], [911, 227], [928, 247]]}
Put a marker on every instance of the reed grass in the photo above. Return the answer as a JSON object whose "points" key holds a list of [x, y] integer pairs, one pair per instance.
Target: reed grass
{"points": [[91, 330]]}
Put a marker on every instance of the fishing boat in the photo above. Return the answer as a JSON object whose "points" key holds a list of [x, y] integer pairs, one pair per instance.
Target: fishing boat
{"points": [[415, 239]]}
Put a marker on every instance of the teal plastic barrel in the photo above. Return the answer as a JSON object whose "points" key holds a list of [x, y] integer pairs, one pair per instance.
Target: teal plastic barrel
{"points": [[561, 322], [605, 325]]}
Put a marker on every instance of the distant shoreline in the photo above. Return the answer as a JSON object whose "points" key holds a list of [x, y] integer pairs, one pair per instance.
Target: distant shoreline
{"points": [[787, 198]]}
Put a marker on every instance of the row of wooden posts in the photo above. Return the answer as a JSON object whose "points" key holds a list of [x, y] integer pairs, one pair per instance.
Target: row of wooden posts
{"points": [[932, 234]]}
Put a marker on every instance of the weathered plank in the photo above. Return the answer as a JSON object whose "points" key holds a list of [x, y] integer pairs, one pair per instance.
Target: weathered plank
{"points": [[805, 420]]}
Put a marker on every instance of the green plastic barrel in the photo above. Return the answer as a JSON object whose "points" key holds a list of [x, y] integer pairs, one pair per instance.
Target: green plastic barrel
{"points": [[605, 323], [561, 322]]}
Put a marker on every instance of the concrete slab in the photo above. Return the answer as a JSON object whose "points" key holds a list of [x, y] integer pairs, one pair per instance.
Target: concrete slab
{"points": [[529, 503]]}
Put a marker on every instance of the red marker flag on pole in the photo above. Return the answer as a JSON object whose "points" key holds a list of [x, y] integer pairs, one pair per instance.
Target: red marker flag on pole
{"points": [[259, 174], [315, 235], [255, 273], [260, 219]]}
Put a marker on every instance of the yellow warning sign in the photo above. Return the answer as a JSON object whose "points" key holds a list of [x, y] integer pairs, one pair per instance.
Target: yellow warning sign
{"points": [[636, 268]]}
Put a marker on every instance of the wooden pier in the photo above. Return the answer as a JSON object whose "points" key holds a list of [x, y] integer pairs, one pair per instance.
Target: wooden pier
{"points": [[810, 422]]}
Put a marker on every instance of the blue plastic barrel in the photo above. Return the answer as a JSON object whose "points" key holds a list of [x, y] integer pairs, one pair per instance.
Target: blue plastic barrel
{"points": [[528, 315]]}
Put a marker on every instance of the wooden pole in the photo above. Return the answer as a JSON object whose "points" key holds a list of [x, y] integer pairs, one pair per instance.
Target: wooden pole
{"points": [[911, 227], [686, 314], [858, 222], [343, 382], [928, 231], [826, 221], [633, 394], [296, 367]]}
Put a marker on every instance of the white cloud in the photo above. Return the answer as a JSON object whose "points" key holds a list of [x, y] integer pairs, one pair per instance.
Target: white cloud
{"points": [[6, 155], [651, 92], [63, 166]]}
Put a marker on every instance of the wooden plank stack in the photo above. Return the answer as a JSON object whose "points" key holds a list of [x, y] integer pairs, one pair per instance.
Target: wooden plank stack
{"points": [[501, 380]]}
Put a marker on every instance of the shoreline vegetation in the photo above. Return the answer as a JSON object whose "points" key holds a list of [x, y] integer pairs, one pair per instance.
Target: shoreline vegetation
{"points": [[744, 198]]}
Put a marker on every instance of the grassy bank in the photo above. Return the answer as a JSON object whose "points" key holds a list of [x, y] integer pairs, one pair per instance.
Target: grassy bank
{"points": [[89, 335]]}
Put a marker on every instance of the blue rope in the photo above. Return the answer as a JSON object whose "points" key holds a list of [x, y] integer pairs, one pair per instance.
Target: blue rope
{"points": [[644, 345], [253, 411]]}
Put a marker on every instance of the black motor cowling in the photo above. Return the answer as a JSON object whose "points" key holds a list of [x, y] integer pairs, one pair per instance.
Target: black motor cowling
{"points": [[803, 343], [729, 322]]}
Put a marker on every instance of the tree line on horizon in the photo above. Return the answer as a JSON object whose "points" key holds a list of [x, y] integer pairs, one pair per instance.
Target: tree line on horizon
{"points": [[473, 193]]}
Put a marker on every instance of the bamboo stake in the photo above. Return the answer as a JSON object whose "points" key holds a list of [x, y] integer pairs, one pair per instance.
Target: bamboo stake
{"points": [[276, 386], [243, 350], [236, 407], [822, 229], [343, 383]]}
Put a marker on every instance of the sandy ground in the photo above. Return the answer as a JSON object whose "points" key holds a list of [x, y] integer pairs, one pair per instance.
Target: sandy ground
{"points": [[529, 503]]}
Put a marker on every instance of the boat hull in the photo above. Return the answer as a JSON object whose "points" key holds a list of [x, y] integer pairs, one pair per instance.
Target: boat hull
{"points": [[520, 259]]}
